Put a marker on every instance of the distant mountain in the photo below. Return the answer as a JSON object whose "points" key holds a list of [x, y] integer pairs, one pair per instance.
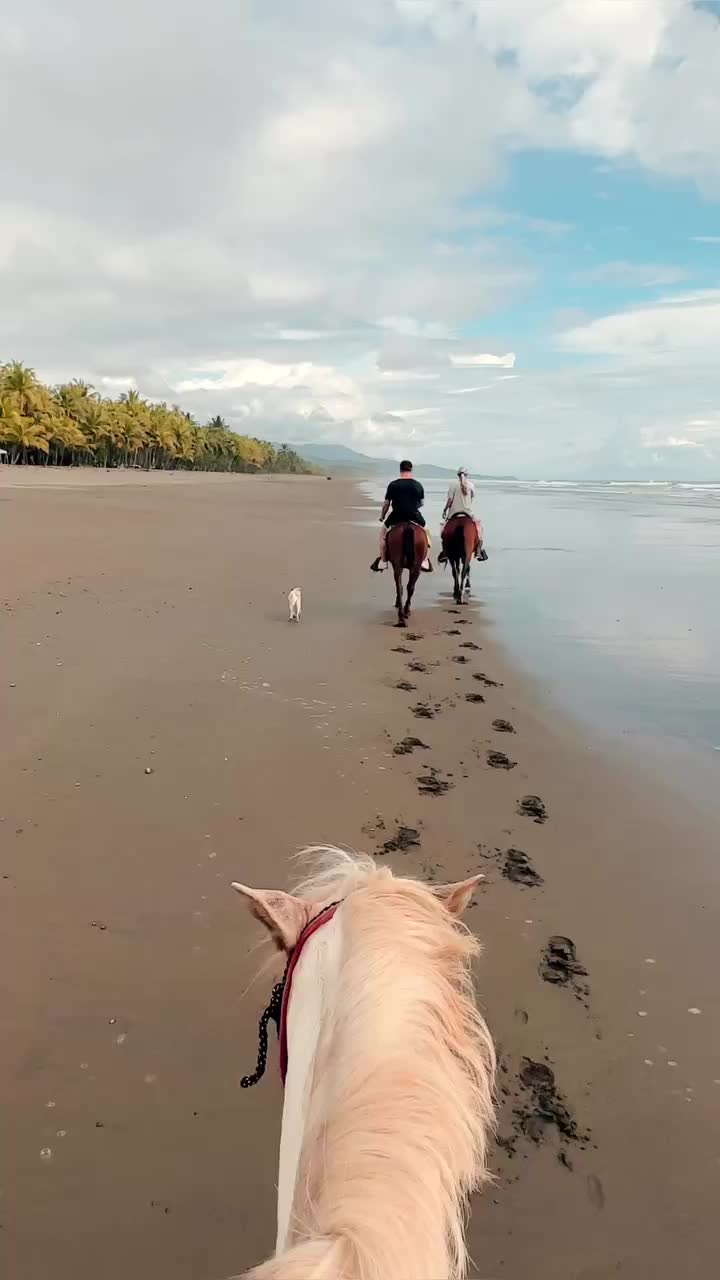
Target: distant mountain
{"points": [[337, 457]]}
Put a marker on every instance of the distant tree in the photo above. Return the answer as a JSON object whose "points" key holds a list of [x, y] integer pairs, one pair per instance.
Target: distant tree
{"points": [[71, 425]]}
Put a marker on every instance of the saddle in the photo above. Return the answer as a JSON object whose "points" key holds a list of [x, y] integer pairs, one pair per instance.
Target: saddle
{"points": [[453, 524]]}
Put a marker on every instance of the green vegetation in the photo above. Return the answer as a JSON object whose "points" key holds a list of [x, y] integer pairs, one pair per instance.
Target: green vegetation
{"points": [[71, 425]]}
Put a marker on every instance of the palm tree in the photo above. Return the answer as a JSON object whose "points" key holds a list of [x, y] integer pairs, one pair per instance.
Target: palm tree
{"points": [[21, 384], [132, 400], [72, 424], [25, 437], [10, 421], [64, 436], [75, 398], [99, 432]]}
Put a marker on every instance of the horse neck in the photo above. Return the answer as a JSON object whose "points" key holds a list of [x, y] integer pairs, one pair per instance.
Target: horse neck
{"points": [[314, 995], [388, 1116]]}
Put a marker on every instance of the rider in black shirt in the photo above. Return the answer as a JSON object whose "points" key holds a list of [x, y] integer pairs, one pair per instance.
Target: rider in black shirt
{"points": [[405, 496]]}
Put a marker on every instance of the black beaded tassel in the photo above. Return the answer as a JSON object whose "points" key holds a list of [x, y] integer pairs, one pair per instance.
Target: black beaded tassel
{"points": [[272, 1012]]}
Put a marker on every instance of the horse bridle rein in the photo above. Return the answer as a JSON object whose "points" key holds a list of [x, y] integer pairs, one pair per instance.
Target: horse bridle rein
{"points": [[277, 1008]]}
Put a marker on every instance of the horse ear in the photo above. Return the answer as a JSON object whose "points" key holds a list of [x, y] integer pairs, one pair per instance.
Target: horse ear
{"points": [[284, 917], [457, 896]]}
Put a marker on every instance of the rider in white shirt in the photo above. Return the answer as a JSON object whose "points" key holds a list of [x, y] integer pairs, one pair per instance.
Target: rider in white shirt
{"points": [[459, 503]]}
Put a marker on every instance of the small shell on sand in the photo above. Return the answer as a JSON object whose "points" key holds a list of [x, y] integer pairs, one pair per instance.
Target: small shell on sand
{"points": [[694, 1010]]}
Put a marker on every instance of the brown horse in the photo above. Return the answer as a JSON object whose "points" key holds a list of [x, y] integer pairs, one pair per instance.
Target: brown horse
{"points": [[460, 542], [407, 547]]}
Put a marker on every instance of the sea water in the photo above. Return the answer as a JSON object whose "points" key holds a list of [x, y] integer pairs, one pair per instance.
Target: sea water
{"points": [[609, 595]]}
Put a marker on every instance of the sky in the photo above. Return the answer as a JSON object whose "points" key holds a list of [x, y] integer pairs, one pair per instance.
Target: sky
{"points": [[479, 232]]}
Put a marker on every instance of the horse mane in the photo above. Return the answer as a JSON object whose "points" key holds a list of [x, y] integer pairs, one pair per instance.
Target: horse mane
{"points": [[402, 1105]]}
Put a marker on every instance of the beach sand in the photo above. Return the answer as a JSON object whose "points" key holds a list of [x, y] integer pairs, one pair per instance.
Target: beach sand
{"points": [[165, 731]]}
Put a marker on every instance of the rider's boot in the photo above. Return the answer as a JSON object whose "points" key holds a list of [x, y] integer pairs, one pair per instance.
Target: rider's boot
{"points": [[377, 566]]}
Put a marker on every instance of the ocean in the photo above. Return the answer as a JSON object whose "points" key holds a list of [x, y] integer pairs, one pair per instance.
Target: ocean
{"points": [[609, 596]]}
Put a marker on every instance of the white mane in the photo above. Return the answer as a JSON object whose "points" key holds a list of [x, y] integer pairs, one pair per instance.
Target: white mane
{"points": [[402, 1098]]}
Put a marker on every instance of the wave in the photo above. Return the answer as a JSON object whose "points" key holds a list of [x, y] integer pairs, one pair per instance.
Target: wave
{"points": [[699, 487]]}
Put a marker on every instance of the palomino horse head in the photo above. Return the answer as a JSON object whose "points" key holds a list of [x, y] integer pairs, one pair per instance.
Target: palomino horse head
{"points": [[389, 1086]]}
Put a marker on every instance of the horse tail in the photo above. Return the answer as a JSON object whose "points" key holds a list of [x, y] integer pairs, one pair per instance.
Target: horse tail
{"points": [[456, 550], [408, 546], [321, 1259]]}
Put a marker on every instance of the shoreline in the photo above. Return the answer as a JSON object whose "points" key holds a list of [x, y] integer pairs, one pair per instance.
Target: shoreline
{"points": [[53, 478], [167, 616]]}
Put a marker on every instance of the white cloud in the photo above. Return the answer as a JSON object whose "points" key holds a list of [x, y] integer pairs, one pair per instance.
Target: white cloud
{"points": [[697, 433], [408, 326], [625, 78], [264, 373], [673, 327], [656, 440], [285, 213], [468, 360], [276, 388]]}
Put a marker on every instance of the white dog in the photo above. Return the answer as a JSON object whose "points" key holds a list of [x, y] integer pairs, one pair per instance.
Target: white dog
{"points": [[295, 603]]}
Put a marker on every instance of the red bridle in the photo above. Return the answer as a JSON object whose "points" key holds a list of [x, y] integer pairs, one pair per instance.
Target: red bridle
{"points": [[312, 927], [278, 1007]]}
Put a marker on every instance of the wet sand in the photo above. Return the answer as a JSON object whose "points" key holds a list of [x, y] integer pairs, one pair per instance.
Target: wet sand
{"points": [[144, 628]]}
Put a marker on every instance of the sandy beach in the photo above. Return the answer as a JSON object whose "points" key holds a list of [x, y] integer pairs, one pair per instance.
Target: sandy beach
{"points": [[165, 731]]}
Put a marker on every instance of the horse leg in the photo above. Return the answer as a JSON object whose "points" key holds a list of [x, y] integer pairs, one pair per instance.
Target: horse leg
{"points": [[467, 578], [412, 579], [398, 595], [457, 593]]}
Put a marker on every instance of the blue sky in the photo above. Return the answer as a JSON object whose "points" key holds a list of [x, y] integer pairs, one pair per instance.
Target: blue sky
{"points": [[622, 235], [475, 229]]}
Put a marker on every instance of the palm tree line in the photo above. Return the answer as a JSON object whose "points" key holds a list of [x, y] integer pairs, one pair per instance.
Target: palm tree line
{"points": [[72, 425]]}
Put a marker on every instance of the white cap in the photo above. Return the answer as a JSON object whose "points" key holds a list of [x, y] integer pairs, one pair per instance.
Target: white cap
{"points": [[462, 471]]}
